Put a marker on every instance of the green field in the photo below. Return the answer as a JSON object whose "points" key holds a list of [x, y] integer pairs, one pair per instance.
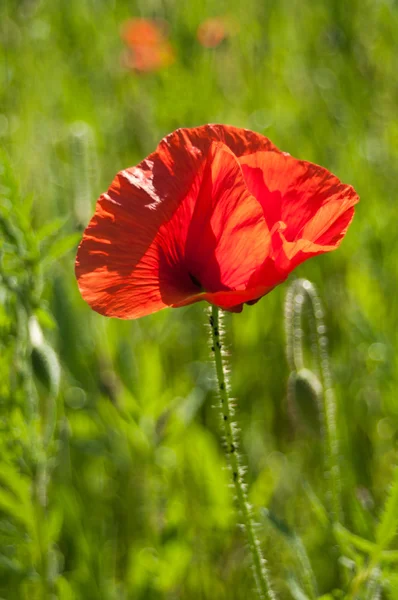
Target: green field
{"points": [[113, 483]]}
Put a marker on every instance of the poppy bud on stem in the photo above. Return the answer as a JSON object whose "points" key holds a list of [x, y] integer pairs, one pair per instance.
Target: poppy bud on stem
{"points": [[231, 446], [299, 294]]}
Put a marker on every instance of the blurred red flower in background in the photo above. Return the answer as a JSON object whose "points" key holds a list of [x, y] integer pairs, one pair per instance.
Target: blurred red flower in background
{"points": [[216, 213], [214, 30], [148, 47]]}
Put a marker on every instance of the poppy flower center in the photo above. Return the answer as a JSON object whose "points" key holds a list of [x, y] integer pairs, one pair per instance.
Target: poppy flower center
{"points": [[195, 281]]}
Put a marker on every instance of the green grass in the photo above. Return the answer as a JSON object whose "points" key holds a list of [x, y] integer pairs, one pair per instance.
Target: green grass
{"points": [[112, 479]]}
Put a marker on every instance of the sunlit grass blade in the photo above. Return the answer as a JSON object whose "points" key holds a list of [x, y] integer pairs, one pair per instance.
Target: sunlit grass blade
{"points": [[306, 574]]}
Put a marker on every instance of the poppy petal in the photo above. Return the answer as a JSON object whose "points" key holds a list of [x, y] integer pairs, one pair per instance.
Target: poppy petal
{"points": [[195, 142], [228, 238], [129, 262], [218, 236], [288, 255], [231, 300], [311, 202], [114, 268]]}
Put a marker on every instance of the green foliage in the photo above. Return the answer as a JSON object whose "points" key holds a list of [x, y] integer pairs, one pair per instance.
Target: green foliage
{"points": [[111, 476]]}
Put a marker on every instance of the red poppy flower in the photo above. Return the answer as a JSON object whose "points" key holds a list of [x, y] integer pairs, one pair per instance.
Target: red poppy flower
{"points": [[216, 213], [212, 32], [148, 47]]}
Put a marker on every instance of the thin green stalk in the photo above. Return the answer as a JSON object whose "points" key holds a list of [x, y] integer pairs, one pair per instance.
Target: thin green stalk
{"points": [[230, 431]]}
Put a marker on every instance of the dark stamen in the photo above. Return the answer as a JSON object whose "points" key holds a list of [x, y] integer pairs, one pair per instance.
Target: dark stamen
{"points": [[195, 281]]}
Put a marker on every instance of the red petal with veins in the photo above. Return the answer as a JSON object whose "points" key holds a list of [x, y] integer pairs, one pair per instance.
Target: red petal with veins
{"points": [[132, 260], [307, 208]]}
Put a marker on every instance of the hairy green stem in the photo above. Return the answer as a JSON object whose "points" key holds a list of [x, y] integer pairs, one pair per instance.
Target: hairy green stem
{"points": [[230, 432]]}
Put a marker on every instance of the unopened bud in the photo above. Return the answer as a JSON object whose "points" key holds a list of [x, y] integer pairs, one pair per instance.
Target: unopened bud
{"points": [[304, 396]]}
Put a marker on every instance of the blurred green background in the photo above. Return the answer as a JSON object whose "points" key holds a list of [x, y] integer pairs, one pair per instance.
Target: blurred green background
{"points": [[112, 475]]}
